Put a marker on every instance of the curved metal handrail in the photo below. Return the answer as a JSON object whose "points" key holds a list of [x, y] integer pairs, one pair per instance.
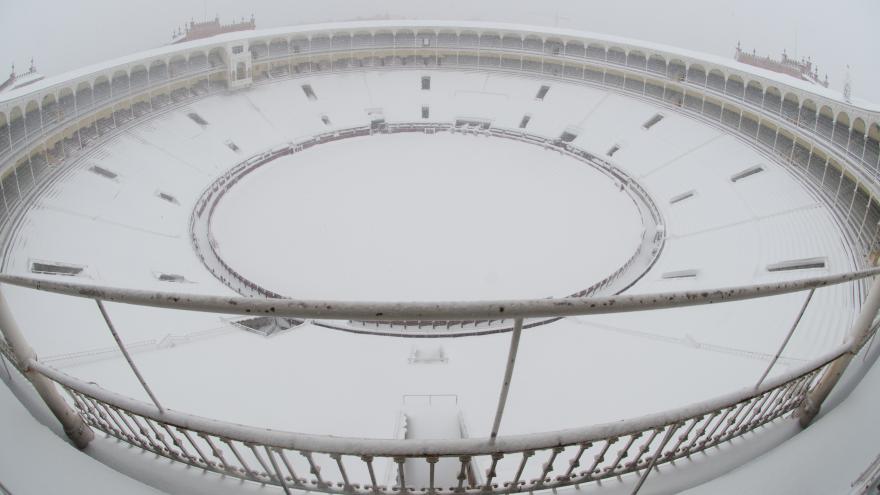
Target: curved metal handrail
{"points": [[346, 310]]}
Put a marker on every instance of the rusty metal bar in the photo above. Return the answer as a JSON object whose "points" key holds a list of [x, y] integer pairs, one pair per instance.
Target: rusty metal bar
{"points": [[508, 375]]}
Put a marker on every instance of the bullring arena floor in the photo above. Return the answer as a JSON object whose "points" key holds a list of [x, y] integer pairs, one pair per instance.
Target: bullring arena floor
{"points": [[312, 223]]}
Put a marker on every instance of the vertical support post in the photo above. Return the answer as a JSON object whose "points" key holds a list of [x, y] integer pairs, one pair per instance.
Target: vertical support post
{"points": [[74, 426], [857, 336], [787, 338], [127, 356], [508, 374]]}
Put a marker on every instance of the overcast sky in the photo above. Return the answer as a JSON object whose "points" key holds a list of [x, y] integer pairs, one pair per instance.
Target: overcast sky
{"points": [[62, 35]]}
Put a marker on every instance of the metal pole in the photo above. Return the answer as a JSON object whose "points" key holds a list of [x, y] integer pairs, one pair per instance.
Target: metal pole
{"points": [[859, 333], [127, 356], [508, 374], [74, 426], [787, 338], [672, 429]]}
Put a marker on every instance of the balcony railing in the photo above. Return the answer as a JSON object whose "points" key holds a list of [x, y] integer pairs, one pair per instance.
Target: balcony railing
{"points": [[628, 450]]}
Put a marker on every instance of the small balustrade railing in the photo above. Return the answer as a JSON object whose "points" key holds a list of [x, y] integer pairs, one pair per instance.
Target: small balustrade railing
{"points": [[628, 450]]}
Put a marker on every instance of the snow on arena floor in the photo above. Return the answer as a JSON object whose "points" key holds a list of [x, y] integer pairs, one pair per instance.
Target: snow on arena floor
{"points": [[426, 217], [574, 372]]}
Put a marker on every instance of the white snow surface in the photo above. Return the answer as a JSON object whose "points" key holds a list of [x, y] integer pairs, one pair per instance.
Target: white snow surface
{"points": [[575, 372], [426, 217]]}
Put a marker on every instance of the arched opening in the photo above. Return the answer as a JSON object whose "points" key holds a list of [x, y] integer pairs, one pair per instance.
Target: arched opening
{"points": [[512, 40], [754, 93], [735, 86], [84, 96], [596, 51], [259, 49], [406, 39], [49, 108], [553, 46], [825, 121], [361, 40], [101, 89], [616, 55], [339, 41], [32, 118], [677, 70], [715, 80], [4, 133], [872, 145], [657, 63], [177, 65], [66, 106], [197, 61], [216, 57], [533, 43], [857, 137], [637, 59], [16, 126], [696, 74], [772, 100], [426, 39], [790, 107], [240, 71], [119, 83], [841, 129], [138, 77], [808, 114], [575, 49], [158, 71]]}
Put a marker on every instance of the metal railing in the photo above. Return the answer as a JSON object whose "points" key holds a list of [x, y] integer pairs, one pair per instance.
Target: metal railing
{"points": [[505, 464]]}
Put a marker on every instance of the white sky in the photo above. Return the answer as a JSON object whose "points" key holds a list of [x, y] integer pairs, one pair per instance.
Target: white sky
{"points": [[62, 35]]}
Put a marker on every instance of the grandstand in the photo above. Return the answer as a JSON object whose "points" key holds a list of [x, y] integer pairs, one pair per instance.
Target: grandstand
{"points": [[597, 191]]}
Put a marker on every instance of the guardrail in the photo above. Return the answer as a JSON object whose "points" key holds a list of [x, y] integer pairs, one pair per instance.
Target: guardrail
{"points": [[350, 465]]}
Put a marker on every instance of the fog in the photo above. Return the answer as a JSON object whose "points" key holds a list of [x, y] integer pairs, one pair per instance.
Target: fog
{"points": [[62, 35]]}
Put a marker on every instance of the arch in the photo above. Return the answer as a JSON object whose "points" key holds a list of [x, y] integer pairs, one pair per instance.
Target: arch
{"points": [[843, 119], [735, 86], [407, 38], [158, 70], [596, 51], [858, 126], [790, 106], [715, 80], [512, 40], [616, 55], [533, 43], [216, 56], [32, 117], [16, 125], [553, 46], [575, 49], [676, 70], [490, 40], [48, 100], [259, 49], [119, 82], [177, 65], [754, 92], [361, 39], [657, 63], [338, 40], [101, 88], [637, 59], [696, 74], [874, 131], [772, 99]]}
